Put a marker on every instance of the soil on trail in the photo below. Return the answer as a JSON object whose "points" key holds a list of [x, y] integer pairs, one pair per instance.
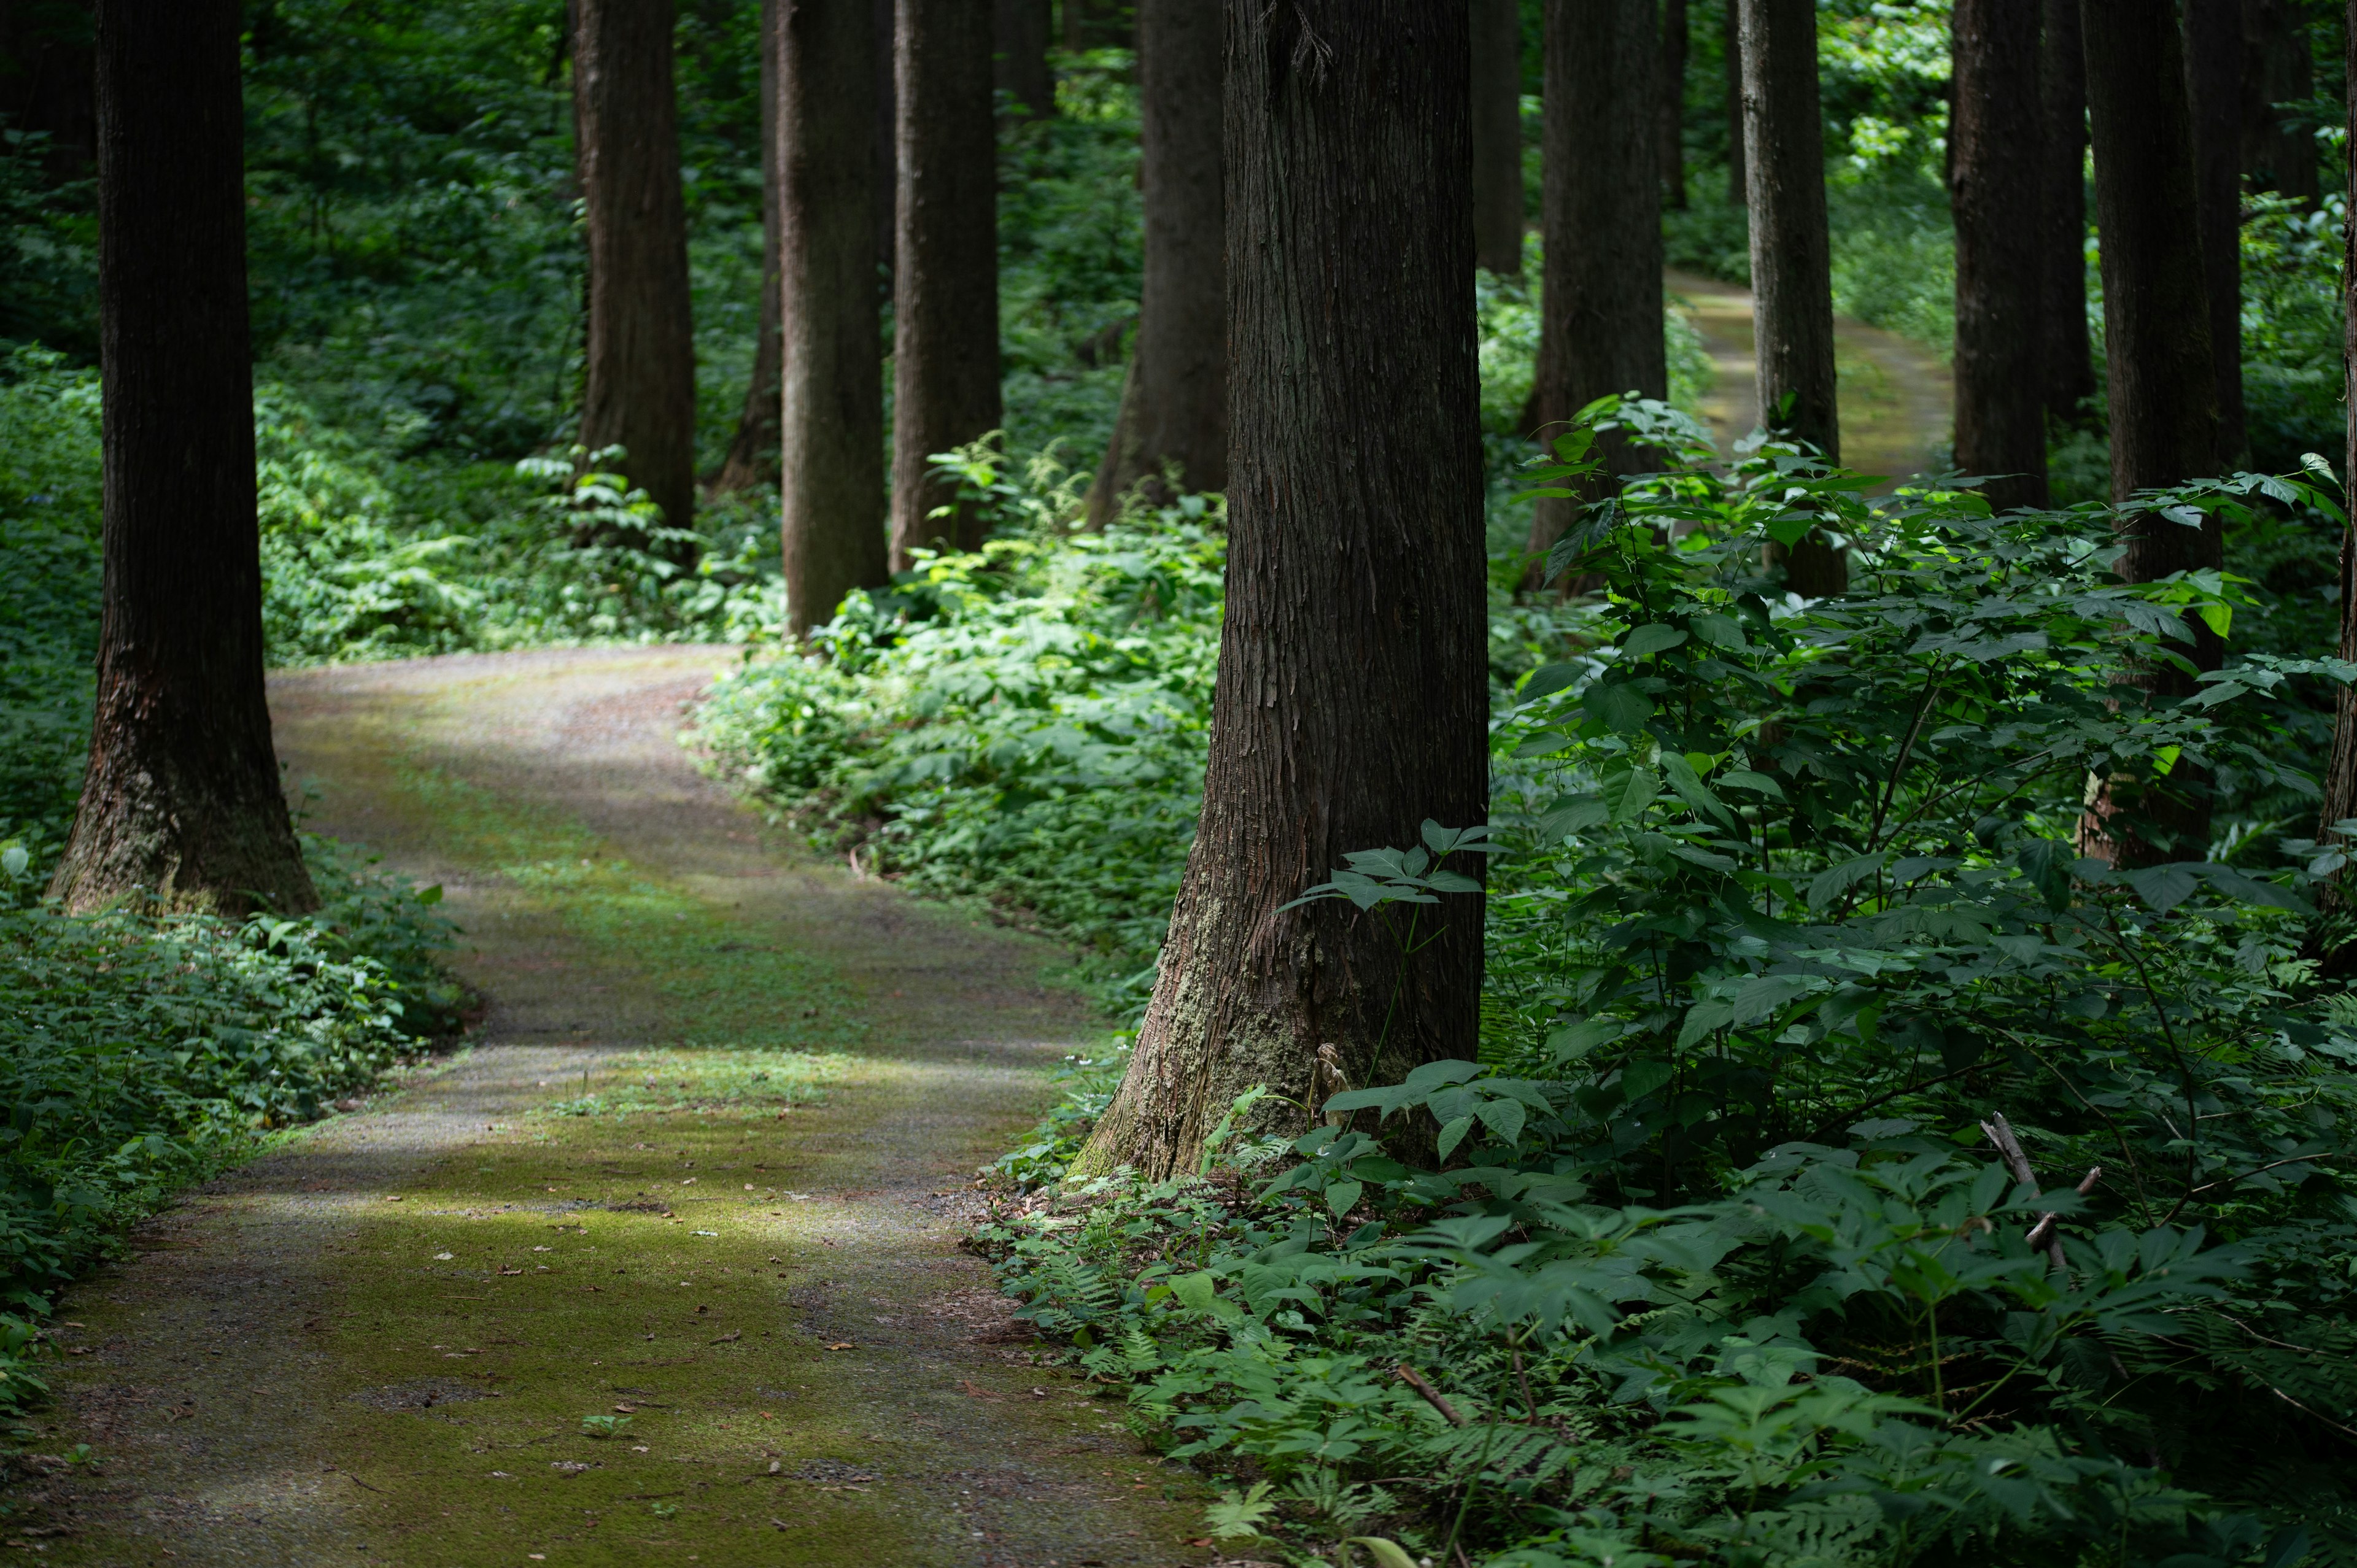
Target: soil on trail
{"points": [[666, 1267]]}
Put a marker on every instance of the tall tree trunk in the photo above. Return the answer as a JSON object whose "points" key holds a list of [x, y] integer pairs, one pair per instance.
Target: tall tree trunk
{"points": [[2163, 383], [1025, 29], [180, 804], [832, 424], [1994, 132], [2066, 363], [1676, 36], [1174, 408], [640, 383], [1600, 321], [887, 150], [945, 279], [753, 453], [2214, 80], [1497, 28], [2277, 69], [1072, 16], [1351, 703], [1738, 178], [1791, 252], [2340, 769]]}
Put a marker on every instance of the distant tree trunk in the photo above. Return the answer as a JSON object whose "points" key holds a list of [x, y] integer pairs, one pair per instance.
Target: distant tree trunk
{"points": [[2276, 70], [831, 424], [1350, 702], [2163, 385], [1676, 31], [2213, 80], [2066, 364], [946, 281], [1497, 28], [180, 804], [1791, 252], [1600, 322], [1025, 29], [1072, 16], [640, 383], [1174, 408], [1994, 131], [753, 453], [2340, 769], [1739, 179]]}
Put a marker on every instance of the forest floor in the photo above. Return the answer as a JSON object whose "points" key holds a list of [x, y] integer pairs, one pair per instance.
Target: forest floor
{"points": [[1896, 398], [664, 1266]]}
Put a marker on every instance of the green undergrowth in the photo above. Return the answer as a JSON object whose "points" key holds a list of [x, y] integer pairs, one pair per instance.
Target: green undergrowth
{"points": [[1717, 1263], [702, 1083]]}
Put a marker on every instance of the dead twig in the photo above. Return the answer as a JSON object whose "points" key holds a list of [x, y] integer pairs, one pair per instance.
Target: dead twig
{"points": [[2008, 1148], [2046, 1222], [1415, 1380], [363, 1486]]}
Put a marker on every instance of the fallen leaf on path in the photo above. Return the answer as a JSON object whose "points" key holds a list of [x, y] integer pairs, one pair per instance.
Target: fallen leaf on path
{"points": [[393, 1197], [781, 1524], [569, 1466], [625, 1410], [732, 1334], [974, 1391], [776, 1467], [845, 1345], [510, 1271]]}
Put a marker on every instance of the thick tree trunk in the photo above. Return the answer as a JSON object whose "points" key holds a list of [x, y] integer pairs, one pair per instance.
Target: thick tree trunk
{"points": [[887, 150], [2214, 80], [2066, 363], [2340, 770], [2276, 71], [1351, 703], [832, 425], [945, 280], [753, 453], [1025, 29], [1497, 28], [1738, 178], [1676, 33], [180, 806], [1791, 252], [1600, 321], [1994, 132], [641, 385], [2163, 385], [1174, 409]]}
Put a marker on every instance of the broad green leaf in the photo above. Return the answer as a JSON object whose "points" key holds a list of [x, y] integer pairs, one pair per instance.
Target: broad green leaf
{"points": [[1454, 1134], [1639, 1079], [1626, 795], [1691, 788], [1503, 1117], [1830, 885], [1574, 1041], [1758, 783], [1572, 814], [1653, 638], [1622, 707], [1549, 679], [1341, 1195], [1386, 1553]]}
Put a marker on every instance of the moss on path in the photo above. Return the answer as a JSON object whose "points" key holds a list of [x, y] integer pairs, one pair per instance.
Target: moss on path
{"points": [[666, 1268]]}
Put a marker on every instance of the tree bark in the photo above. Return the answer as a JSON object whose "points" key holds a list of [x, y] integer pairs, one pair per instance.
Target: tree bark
{"points": [[180, 804], [753, 453], [1497, 28], [832, 405], [946, 281], [1600, 318], [1738, 178], [2066, 363], [2340, 769], [1025, 29], [2277, 69], [1791, 254], [1994, 132], [1676, 33], [1174, 411], [640, 385], [2214, 80], [1351, 701], [887, 151]]}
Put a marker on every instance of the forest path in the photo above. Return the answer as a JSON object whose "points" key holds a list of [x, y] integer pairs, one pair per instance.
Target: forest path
{"points": [[702, 1173], [1896, 398]]}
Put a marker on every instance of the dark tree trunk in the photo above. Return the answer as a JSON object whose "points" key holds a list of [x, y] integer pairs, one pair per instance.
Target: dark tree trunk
{"points": [[2340, 770], [1600, 322], [1174, 410], [2214, 80], [1993, 128], [831, 429], [887, 152], [1025, 30], [2066, 363], [180, 805], [946, 281], [753, 453], [2163, 391], [1739, 179], [641, 385], [1350, 704], [2279, 153], [1791, 252], [1497, 28], [1072, 16], [1676, 33]]}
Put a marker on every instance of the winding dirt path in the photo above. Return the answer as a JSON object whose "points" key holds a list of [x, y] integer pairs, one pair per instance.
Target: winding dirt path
{"points": [[666, 1267]]}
